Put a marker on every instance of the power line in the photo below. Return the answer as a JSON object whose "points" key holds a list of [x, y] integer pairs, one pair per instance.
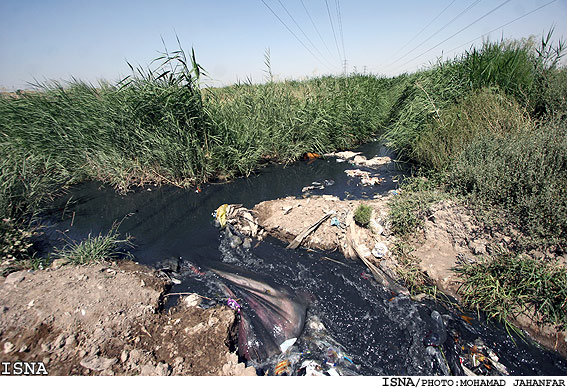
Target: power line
{"points": [[332, 27], [458, 32], [428, 24], [303, 32], [316, 29], [296, 37], [436, 32], [341, 31], [504, 25]]}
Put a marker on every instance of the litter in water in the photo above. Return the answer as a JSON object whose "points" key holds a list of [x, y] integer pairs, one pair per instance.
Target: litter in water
{"points": [[282, 368], [287, 344], [365, 178], [233, 304]]}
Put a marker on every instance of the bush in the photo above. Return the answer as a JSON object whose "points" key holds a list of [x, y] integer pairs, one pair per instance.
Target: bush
{"points": [[481, 113], [524, 173], [362, 215]]}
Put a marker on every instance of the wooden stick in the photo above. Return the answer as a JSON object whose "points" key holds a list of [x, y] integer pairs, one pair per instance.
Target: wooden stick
{"points": [[334, 261], [297, 241], [187, 293]]}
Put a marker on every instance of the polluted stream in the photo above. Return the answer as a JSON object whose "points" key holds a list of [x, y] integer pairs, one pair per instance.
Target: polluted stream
{"points": [[300, 313]]}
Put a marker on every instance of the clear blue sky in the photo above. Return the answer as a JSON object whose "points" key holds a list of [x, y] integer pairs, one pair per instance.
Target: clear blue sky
{"points": [[90, 40]]}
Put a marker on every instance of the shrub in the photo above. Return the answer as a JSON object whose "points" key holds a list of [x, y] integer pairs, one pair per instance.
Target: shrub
{"points": [[483, 112], [524, 173], [362, 215]]}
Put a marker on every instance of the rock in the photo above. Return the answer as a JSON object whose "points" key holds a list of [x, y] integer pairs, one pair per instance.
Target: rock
{"points": [[97, 363], [192, 300], [9, 347], [178, 365], [135, 356], [124, 356], [59, 341], [247, 244], [537, 255], [70, 341], [23, 348], [148, 370], [477, 247], [58, 263], [162, 369], [15, 278]]}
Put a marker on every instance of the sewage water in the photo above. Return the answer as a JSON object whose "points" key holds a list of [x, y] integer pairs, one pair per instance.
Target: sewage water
{"points": [[346, 323]]}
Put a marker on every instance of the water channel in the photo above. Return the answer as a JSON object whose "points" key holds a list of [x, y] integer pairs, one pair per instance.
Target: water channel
{"points": [[350, 323]]}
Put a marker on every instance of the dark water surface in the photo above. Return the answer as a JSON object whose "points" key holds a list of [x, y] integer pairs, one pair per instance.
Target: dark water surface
{"points": [[351, 322]]}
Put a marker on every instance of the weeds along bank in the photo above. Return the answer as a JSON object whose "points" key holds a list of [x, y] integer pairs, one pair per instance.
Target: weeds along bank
{"points": [[487, 127], [489, 130], [159, 126]]}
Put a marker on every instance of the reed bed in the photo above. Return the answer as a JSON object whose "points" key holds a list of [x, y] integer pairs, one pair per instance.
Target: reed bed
{"points": [[488, 125]]}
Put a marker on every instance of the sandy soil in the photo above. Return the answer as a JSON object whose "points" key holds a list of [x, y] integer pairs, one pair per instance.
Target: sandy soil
{"points": [[105, 319]]}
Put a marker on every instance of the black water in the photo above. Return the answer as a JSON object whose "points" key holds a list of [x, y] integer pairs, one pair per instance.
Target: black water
{"points": [[349, 314]]}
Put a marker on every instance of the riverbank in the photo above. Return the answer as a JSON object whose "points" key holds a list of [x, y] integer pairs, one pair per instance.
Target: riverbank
{"points": [[425, 262], [106, 319]]}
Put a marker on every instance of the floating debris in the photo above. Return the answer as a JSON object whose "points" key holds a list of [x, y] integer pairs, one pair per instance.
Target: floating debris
{"points": [[365, 178]]}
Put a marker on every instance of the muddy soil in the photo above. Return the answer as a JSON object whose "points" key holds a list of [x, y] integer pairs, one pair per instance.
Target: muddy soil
{"points": [[105, 319], [450, 234]]}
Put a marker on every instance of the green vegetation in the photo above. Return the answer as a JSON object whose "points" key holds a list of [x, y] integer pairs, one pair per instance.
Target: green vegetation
{"points": [[158, 126], [506, 286], [107, 246], [487, 127], [410, 206], [362, 215]]}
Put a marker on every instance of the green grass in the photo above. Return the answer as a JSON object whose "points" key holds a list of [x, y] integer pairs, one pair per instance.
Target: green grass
{"points": [[109, 246], [362, 215], [410, 207], [507, 286]]}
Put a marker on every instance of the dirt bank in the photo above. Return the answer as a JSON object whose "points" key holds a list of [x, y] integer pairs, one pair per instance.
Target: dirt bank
{"points": [[105, 319], [450, 234]]}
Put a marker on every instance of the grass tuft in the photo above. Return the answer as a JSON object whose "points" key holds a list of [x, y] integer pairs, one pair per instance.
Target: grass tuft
{"points": [[107, 246], [507, 286], [362, 215]]}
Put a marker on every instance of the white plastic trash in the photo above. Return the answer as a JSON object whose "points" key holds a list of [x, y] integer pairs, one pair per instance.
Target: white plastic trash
{"points": [[380, 250], [287, 344]]}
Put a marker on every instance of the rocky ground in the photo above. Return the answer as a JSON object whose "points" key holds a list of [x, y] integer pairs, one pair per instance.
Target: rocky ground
{"points": [[105, 319]]}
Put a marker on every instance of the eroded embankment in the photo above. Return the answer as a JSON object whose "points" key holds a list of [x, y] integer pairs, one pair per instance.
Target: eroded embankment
{"points": [[105, 319], [451, 234]]}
